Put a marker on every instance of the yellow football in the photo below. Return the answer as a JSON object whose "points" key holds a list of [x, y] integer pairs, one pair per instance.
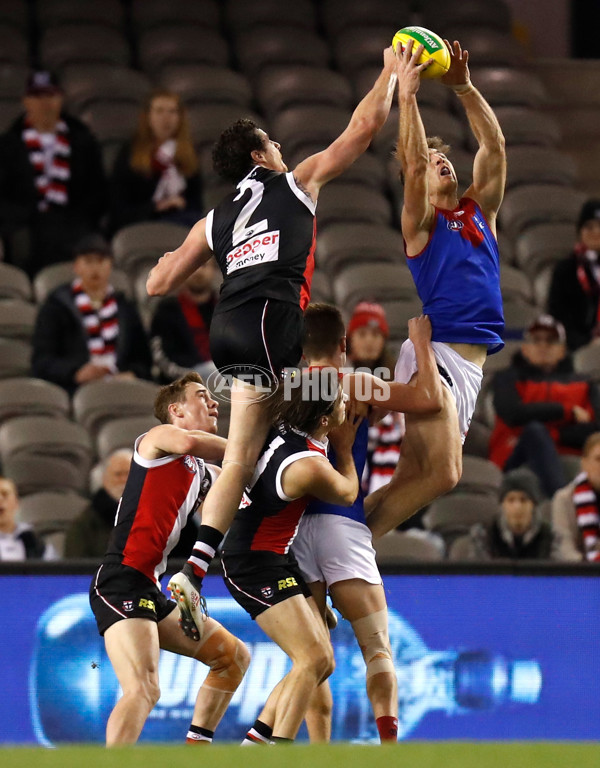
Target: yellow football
{"points": [[433, 48]]}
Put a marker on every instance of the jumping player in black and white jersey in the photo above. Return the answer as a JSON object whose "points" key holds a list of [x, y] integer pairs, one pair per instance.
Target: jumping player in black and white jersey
{"points": [[260, 571], [263, 238], [167, 483]]}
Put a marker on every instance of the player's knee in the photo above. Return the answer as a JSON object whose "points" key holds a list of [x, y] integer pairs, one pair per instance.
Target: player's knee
{"points": [[228, 666], [318, 662], [147, 690], [372, 636]]}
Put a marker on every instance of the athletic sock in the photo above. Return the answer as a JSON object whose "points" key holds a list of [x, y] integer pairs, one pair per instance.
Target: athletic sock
{"points": [[204, 550], [197, 735], [387, 727], [280, 740], [260, 733]]}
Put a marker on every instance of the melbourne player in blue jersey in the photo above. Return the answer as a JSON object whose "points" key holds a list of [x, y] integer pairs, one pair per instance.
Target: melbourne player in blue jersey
{"points": [[451, 249]]}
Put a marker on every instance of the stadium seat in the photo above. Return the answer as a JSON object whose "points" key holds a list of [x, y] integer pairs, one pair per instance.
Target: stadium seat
{"points": [[121, 433], [533, 204], [241, 15], [59, 12], [50, 277], [539, 165], [208, 121], [15, 13], [506, 86], [586, 360], [202, 83], [399, 311], [46, 436], [518, 316], [356, 48], [515, 284], [158, 13], [12, 80], [541, 284], [86, 84], [15, 358], [436, 122], [521, 125], [439, 14], [367, 169], [145, 242], [26, 396], [51, 511], [543, 244], [373, 281], [180, 44], [98, 402], [44, 473], [431, 93], [479, 475], [14, 48], [488, 47], [397, 547], [340, 201], [321, 288], [111, 121], [9, 111], [17, 319], [278, 88], [460, 548], [337, 15], [453, 515], [14, 283], [348, 243], [78, 43], [315, 124], [272, 45], [477, 441]]}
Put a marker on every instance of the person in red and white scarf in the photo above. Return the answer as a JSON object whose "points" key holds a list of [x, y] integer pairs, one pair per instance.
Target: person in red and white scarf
{"points": [[85, 330], [574, 296], [576, 508], [52, 183]]}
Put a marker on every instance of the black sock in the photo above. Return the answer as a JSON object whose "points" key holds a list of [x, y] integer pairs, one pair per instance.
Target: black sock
{"points": [[196, 733], [260, 733], [207, 542]]}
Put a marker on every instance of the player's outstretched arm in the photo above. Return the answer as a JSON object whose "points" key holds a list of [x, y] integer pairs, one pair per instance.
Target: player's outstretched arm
{"points": [[426, 397], [168, 439], [367, 119], [174, 268], [412, 152], [489, 168]]}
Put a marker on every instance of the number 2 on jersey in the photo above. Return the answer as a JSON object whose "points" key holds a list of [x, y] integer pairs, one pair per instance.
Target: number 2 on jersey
{"points": [[241, 231]]}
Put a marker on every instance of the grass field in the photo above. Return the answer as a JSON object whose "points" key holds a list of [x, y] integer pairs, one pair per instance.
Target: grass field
{"points": [[411, 755]]}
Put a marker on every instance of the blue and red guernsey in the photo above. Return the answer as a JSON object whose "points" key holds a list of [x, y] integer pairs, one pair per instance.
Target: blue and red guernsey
{"points": [[159, 496], [457, 276], [267, 519]]}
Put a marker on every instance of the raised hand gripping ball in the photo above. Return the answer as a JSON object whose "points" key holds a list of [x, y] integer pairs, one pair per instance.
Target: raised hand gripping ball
{"points": [[433, 48]]}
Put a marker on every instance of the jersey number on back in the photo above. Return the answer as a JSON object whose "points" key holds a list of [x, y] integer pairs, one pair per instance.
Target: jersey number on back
{"points": [[241, 230]]}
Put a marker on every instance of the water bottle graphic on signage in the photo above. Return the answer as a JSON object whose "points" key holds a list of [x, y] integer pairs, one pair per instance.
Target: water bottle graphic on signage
{"points": [[73, 687]]}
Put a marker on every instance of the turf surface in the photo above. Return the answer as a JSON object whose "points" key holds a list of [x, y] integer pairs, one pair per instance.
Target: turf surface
{"points": [[408, 755]]}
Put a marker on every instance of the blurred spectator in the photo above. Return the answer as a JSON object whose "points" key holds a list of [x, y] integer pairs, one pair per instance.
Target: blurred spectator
{"points": [[88, 534], [156, 174], [52, 184], [542, 407], [518, 532], [180, 327], [85, 330], [574, 296], [366, 339], [18, 541], [576, 508]]}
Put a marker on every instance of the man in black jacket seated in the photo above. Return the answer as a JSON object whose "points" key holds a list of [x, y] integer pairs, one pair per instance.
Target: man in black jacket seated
{"points": [[85, 330], [53, 188]]}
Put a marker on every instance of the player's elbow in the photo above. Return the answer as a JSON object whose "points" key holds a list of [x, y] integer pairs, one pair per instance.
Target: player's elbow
{"points": [[348, 496]]}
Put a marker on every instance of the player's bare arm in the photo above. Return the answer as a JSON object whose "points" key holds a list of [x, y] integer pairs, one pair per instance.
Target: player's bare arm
{"points": [[425, 397], [174, 268], [367, 119], [168, 439], [315, 476], [489, 168], [417, 212]]}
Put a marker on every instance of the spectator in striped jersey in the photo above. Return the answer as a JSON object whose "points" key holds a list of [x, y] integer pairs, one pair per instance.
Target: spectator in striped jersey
{"points": [[576, 508]]}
